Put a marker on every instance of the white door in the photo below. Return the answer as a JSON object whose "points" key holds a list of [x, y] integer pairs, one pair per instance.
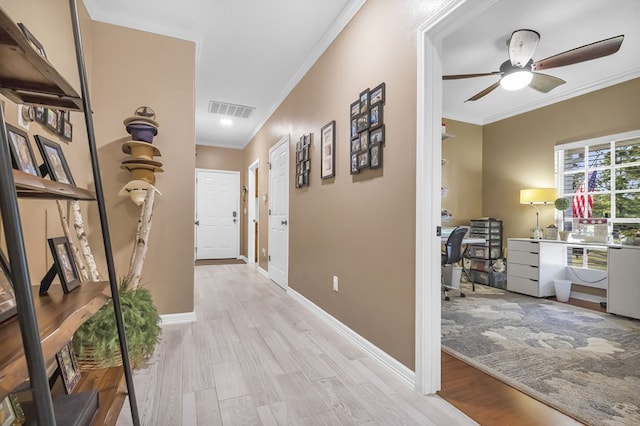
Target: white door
{"points": [[217, 214], [279, 213]]}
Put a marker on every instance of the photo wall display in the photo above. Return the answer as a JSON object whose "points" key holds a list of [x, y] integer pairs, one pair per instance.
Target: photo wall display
{"points": [[303, 161], [367, 129], [56, 121]]}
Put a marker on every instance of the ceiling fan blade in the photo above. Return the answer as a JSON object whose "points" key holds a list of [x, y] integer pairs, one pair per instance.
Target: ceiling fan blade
{"points": [[545, 83], [522, 45], [580, 54], [459, 76], [484, 92]]}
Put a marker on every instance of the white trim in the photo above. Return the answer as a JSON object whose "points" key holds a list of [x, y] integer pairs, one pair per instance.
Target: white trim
{"points": [[396, 368], [428, 179], [181, 318], [597, 141], [285, 141], [263, 272], [243, 258], [253, 214]]}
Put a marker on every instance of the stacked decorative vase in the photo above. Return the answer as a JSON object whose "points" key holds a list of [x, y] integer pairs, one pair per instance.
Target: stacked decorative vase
{"points": [[142, 127]]}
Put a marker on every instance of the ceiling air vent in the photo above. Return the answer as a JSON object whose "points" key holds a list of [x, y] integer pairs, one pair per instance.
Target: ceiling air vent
{"points": [[222, 108]]}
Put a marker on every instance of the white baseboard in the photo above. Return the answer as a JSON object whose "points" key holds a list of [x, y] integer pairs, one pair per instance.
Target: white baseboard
{"points": [[587, 297], [181, 318], [396, 368], [263, 272], [244, 258]]}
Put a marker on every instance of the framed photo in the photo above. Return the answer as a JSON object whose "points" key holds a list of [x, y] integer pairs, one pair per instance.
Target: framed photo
{"points": [[355, 145], [375, 116], [364, 101], [10, 412], [364, 141], [21, 151], [354, 128], [33, 41], [362, 122], [64, 263], [363, 160], [355, 109], [354, 164], [40, 114], [328, 147], [377, 95], [68, 367], [54, 160], [52, 119], [377, 135], [299, 180], [7, 297], [375, 158], [67, 130]]}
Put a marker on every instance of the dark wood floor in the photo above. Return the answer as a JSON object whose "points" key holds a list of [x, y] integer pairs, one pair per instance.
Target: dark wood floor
{"points": [[491, 402]]}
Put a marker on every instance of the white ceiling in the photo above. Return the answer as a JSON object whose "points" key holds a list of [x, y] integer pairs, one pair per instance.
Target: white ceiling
{"points": [[480, 46], [253, 52], [249, 52]]}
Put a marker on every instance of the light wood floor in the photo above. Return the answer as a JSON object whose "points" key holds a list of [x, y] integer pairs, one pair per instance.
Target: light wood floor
{"points": [[255, 356]]}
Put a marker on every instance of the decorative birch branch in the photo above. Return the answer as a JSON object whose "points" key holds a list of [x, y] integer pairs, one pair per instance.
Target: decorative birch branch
{"points": [[142, 238], [78, 224], [84, 275]]}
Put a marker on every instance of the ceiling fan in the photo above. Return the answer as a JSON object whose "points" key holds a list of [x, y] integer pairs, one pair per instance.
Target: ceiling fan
{"points": [[519, 70]]}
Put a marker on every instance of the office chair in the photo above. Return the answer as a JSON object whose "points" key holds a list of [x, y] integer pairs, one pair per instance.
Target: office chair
{"points": [[451, 254]]}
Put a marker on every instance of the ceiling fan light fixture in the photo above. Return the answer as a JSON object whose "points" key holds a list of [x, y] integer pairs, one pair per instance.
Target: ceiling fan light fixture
{"points": [[516, 80]]}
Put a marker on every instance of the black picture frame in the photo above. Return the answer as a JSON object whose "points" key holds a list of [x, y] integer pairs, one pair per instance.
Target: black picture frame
{"points": [[54, 160], [328, 150], [355, 109], [64, 263], [67, 131], [52, 118], [33, 41], [362, 122], [40, 114], [363, 160], [68, 365], [376, 96], [364, 140], [7, 296], [375, 116], [303, 161], [375, 156], [354, 164], [364, 101], [354, 128], [355, 145], [377, 135], [21, 151]]}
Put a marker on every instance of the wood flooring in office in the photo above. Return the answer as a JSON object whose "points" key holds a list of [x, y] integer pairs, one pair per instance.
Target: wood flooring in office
{"points": [[255, 356]]}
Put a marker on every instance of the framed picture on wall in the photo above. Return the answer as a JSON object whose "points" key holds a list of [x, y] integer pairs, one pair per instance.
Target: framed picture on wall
{"points": [[354, 164], [328, 147], [377, 135], [363, 160], [355, 109], [355, 145], [52, 119], [375, 161], [377, 95], [362, 122], [364, 140], [354, 128], [375, 116], [21, 151], [364, 101], [54, 160]]}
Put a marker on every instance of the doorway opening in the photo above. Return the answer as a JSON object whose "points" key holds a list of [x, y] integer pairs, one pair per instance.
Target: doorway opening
{"points": [[254, 213]]}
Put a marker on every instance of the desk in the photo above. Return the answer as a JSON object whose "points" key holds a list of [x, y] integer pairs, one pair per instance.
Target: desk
{"points": [[534, 264]]}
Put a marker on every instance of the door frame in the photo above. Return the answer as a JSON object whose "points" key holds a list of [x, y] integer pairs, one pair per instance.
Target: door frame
{"points": [[252, 239], [237, 207], [428, 183], [277, 145]]}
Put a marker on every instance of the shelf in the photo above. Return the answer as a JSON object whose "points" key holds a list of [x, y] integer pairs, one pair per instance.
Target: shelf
{"points": [[59, 316], [26, 77], [30, 186], [112, 392], [76, 409]]}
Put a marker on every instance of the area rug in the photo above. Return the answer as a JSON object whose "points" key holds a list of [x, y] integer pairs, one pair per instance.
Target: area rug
{"points": [[583, 363]]}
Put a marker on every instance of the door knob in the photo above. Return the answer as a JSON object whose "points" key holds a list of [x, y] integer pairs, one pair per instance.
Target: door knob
{"points": [[197, 223], [284, 222]]}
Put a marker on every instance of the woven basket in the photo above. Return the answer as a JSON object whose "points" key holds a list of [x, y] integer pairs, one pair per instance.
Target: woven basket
{"points": [[89, 361]]}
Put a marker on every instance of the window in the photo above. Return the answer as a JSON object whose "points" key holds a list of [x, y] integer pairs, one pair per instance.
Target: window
{"points": [[601, 178]]}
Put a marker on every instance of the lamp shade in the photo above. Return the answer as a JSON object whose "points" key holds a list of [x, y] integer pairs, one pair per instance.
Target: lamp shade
{"points": [[537, 195]]}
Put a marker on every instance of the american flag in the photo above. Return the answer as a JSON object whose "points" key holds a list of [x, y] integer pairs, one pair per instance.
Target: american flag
{"points": [[583, 200]]}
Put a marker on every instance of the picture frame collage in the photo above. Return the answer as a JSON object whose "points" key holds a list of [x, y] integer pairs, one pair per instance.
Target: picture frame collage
{"points": [[23, 158], [56, 121], [367, 130], [303, 161]]}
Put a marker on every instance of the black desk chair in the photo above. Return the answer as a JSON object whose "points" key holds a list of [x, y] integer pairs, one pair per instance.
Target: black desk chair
{"points": [[452, 254]]}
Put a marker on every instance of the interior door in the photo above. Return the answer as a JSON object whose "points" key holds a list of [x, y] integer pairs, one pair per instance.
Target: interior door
{"points": [[217, 214], [279, 213]]}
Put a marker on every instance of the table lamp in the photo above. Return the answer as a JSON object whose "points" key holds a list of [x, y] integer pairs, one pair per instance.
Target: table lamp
{"points": [[537, 196]]}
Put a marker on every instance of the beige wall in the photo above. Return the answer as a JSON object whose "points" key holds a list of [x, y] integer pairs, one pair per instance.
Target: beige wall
{"points": [[360, 228], [462, 172], [518, 152], [130, 69], [217, 158]]}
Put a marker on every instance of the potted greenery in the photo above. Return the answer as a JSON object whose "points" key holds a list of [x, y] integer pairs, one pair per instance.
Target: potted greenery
{"points": [[562, 204], [96, 341]]}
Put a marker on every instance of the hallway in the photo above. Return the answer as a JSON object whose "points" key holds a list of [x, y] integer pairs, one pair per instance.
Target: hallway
{"points": [[255, 356]]}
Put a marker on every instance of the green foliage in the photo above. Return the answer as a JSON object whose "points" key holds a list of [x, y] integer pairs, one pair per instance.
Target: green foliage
{"points": [[140, 318]]}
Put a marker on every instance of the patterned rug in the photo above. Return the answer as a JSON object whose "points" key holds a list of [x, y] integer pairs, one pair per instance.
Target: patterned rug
{"points": [[583, 363]]}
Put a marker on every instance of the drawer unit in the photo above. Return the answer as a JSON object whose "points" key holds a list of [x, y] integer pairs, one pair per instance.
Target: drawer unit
{"points": [[533, 265], [482, 256]]}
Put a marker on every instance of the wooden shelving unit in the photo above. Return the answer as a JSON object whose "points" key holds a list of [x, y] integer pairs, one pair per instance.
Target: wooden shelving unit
{"points": [[44, 324]]}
